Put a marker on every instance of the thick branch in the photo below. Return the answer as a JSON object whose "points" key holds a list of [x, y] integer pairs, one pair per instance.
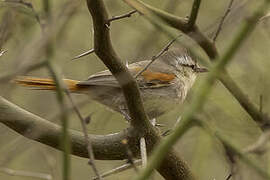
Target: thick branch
{"points": [[194, 13], [104, 50], [107, 147]]}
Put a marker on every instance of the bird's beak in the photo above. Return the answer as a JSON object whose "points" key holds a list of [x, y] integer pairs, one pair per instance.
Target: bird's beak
{"points": [[201, 70]]}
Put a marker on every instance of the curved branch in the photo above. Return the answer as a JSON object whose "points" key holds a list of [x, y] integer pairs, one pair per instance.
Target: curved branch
{"points": [[107, 147]]}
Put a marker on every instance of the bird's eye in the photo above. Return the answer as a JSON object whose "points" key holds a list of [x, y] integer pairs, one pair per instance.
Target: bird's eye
{"points": [[192, 66]]}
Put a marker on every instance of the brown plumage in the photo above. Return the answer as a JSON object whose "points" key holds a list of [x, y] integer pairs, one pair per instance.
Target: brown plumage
{"points": [[45, 84]]}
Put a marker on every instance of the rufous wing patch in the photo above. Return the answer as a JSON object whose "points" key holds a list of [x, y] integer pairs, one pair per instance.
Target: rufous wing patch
{"points": [[156, 76]]}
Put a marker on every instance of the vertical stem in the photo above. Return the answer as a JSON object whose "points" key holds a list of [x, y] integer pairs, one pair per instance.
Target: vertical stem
{"points": [[65, 141]]}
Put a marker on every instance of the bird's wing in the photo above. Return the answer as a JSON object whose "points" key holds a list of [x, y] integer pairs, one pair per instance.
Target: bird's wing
{"points": [[152, 77]]}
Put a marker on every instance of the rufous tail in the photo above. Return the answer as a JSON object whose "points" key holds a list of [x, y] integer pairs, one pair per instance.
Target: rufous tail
{"points": [[46, 84]]}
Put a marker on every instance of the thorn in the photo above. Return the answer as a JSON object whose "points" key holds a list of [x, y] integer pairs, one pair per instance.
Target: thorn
{"points": [[88, 118], [127, 64], [160, 125], [107, 26], [84, 54], [3, 52]]}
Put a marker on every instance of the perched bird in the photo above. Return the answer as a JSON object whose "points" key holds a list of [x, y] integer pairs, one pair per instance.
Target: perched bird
{"points": [[163, 85]]}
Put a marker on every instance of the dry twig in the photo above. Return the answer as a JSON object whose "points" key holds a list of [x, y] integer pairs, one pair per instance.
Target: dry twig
{"points": [[129, 155], [114, 18], [222, 20], [87, 139], [164, 50]]}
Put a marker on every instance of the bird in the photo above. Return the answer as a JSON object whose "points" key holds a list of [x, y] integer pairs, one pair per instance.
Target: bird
{"points": [[163, 85]]}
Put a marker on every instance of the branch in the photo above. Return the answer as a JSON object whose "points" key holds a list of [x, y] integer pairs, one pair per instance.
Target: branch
{"points": [[86, 137], [200, 98], [107, 147], [222, 20], [114, 18], [173, 167], [59, 87], [194, 13], [263, 120], [233, 149], [177, 23], [208, 46], [164, 50], [104, 50], [242, 156]]}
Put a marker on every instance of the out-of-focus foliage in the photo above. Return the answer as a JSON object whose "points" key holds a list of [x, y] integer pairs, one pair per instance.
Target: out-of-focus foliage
{"points": [[134, 39]]}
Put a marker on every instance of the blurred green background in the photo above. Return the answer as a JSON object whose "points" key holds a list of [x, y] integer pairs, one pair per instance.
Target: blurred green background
{"points": [[134, 39]]}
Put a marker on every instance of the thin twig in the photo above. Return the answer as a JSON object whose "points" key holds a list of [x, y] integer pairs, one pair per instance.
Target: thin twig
{"points": [[87, 139], [84, 54], [13, 172], [194, 13], [119, 169], [114, 18], [143, 151], [164, 50], [129, 155], [65, 139], [54, 116], [222, 20], [59, 87]]}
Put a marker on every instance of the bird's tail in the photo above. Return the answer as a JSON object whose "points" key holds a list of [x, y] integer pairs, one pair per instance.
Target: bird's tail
{"points": [[46, 84]]}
